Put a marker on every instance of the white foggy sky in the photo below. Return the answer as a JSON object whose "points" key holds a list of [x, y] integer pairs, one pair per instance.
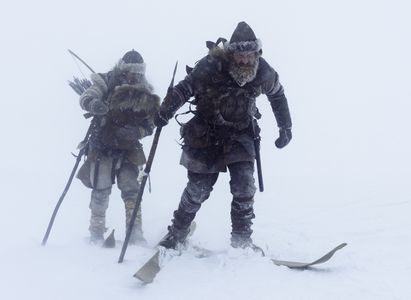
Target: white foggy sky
{"points": [[344, 66]]}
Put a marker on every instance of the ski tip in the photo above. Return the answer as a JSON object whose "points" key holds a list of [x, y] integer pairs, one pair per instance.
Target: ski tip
{"points": [[340, 246], [110, 241], [305, 265], [143, 279]]}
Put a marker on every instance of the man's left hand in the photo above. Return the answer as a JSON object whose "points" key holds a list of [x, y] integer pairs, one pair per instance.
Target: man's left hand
{"points": [[284, 139], [160, 120]]}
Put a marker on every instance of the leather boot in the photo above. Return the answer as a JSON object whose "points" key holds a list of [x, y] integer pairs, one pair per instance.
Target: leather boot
{"points": [[136, 237], [98, 207], [178, 231]]}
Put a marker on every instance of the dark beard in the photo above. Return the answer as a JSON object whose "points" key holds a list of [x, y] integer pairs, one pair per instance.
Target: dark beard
{"points": [[243, 73]]}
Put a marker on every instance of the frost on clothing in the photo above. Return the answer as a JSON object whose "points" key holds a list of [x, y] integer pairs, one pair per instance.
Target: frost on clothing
{"points": [[220, 133], [114, 150], [242, 188], [129, 119]]}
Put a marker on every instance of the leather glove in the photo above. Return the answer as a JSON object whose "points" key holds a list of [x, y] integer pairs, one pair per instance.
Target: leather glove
{"points": [[284, 139], [98, 107], [160, 120]]}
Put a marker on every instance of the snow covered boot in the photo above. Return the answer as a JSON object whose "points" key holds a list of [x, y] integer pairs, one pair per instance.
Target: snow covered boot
{"points": [[242, 213], [178, 231], [245, 243], [136, 237], [96, 234], [171, 240], [98, 206]]}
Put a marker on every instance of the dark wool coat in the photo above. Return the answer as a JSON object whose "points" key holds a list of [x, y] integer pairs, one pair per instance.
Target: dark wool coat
{"points": [[220, 133]]}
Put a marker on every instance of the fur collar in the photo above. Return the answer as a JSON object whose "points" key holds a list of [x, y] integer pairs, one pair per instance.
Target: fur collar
{"points": [[219, 53], [137, 98]]}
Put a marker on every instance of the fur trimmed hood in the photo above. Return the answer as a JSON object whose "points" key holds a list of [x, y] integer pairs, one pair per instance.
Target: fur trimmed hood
{"points": [[139, 68], [243, 46]]}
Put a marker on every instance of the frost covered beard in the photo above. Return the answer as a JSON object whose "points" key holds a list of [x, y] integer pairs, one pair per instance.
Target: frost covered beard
{"points": [[243, 55], [243, 66]]}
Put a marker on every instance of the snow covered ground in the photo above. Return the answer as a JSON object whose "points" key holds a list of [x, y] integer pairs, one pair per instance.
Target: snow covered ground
{"points": [[344, 177]]}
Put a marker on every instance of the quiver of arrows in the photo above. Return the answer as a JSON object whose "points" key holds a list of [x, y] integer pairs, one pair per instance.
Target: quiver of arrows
{"points": [[79, 85]]}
